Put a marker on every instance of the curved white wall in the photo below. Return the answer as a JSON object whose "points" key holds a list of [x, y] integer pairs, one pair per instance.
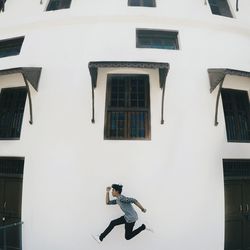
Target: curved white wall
{"points": [[177, 175]]}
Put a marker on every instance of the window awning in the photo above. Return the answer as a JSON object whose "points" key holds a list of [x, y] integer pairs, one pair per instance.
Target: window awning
{"points": [[162, 67], [216, 77], [30, 75]]}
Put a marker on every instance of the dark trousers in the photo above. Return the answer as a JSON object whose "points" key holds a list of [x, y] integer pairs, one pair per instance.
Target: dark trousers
{"points": [[129, 233]]}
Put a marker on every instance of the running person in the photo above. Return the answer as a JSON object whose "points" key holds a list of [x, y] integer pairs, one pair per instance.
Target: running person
{"points": [[130, 215]]}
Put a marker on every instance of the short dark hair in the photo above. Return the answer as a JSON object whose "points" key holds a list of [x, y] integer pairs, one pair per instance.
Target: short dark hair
{"points": [[117, 188]]}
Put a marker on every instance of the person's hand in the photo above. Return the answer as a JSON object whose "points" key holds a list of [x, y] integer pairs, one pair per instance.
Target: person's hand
{"points": [[108, 189], [144, 210]]}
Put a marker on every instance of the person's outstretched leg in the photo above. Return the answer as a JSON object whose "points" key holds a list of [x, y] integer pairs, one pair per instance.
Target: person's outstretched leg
{"points": [[129, 233], [112, 224]]}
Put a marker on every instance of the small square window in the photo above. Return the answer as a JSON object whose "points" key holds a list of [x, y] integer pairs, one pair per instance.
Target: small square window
{"points": [[11, 47], [157, 39], [144, 3], [220, 7], [127, 108], [58, 4], [12, 103]]}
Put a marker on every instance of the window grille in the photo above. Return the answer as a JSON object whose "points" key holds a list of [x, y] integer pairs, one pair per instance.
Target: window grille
{"points": [[127, 107], [145, 3], [220, 7], [11, 166], [237, 114], [158, 39], [236, 168], [11, 47], [12, 102], [58, 4]]}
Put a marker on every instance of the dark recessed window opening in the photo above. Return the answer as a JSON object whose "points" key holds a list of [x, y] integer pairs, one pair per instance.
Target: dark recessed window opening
{"points": [[145, 3], [11, 47], [237, 114], [11, 182], [11, 166], [127, 107], [236, 168], [220, 7], [58, 4], [2, 3], [157, 39], [12, 103]]}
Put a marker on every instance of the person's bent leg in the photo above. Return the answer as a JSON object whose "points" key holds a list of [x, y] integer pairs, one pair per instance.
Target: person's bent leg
{"points": [[129, 233], [111, 225]]}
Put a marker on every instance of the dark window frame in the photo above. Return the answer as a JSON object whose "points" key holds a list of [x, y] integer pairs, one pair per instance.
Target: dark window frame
{"points": [[153, 36], [234, 111], [61, 5], [217, 8], [127, 110], [12, 117], [14, 45], [142, 3], [11, 170], [236, 169]]}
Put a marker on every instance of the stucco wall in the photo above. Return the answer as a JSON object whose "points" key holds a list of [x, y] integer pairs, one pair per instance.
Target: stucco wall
{"points": [[177, 175]]}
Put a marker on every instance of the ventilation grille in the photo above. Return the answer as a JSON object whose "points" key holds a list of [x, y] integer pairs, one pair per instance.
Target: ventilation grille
{"points": [[236, 168], [11, 166]]}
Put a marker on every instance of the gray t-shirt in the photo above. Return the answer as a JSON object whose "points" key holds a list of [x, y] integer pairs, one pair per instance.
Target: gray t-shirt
{"points": [[126, 206]]}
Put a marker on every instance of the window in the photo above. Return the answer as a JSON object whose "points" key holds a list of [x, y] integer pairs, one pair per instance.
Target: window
{"points": [[127, 107], [2, 3], [58, 4], [145, 3], [237, 114], [11, 47], [158, 39], [11, 182], [236, 168], [12, 102], [220, 7]]}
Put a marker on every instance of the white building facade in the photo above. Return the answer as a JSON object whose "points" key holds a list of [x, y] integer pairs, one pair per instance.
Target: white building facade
{"points": [[154, 96]]}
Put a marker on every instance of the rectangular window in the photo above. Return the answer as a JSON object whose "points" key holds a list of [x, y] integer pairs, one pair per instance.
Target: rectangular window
{"points": [[237, 114], [220, 7], [58, 4], [11, 47], [236, 168], [157, 39], [145, 3], [127, 107], [11, 182], [2, 3], [12, 102]]}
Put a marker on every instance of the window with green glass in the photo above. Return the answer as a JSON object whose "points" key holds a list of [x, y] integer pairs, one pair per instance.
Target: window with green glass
{"points": [[220, 7], [11, 47], [157, 39], [58, 4], [144, 3]]}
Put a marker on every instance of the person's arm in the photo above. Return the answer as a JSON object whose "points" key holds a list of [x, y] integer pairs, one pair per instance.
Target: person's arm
{"points": [[108, 201], [138, 204], [107, 195]]}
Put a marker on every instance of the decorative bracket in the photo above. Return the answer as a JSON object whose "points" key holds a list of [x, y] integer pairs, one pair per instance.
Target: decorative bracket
{"points": [[30, 75], [162, 67]]}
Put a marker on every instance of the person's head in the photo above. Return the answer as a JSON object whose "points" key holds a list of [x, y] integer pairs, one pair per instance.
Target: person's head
{"points": [[116, 190]]}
